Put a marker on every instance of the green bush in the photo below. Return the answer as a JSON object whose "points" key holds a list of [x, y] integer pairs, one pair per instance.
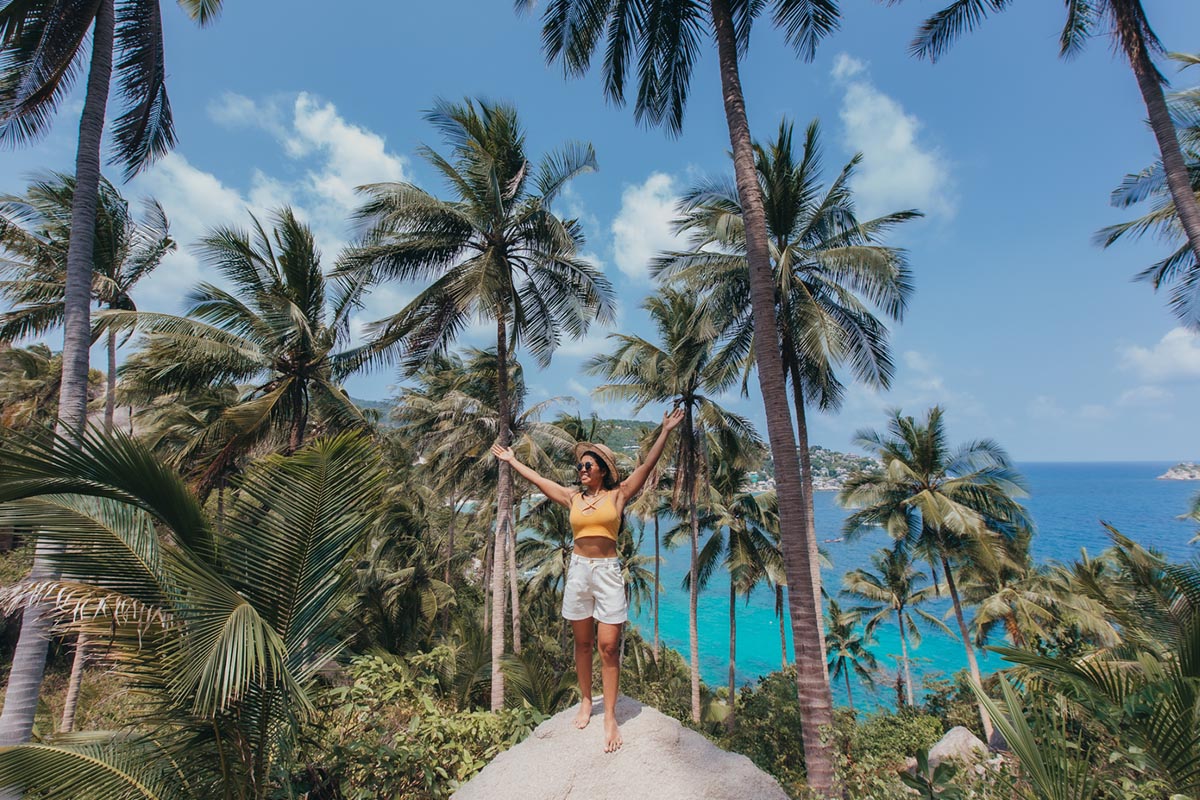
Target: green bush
{"points": [[390, 733]]}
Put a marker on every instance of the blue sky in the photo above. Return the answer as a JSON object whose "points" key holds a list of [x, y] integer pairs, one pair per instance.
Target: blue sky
{"points": [[1020, 327]]}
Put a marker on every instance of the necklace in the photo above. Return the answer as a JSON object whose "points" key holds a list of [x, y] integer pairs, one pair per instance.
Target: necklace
{"points": [[589, 508]]}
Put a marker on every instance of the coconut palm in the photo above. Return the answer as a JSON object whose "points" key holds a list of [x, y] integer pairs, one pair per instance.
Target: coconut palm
{"points": [[1143, 689], [41, 51], [662, 42], [453, 414], [682, 369], [494, 251], [1012, 595], [830, 271], [1126, 22], [1162, 220], [847, 648], [951, 506], [743, 530], [29, 383], [34, 230], [894, 588], [224, 650], [272, 331]]}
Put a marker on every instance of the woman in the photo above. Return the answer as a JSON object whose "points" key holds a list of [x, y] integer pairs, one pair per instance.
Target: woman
{"points": [[594, 594]]}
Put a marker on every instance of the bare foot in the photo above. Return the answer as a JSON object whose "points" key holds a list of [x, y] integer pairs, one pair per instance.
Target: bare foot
{"points": [[612, 735], [585, 713]]}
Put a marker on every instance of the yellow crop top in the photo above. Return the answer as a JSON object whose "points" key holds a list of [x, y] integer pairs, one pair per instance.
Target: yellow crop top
{"points": [[602, 521]]}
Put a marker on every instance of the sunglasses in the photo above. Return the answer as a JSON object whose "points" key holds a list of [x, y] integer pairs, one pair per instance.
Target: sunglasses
{"points": [[584, 466]]}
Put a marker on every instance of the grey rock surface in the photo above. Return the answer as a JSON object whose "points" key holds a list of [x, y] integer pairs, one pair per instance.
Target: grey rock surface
{"points": [[958, 743], [661, 759]]}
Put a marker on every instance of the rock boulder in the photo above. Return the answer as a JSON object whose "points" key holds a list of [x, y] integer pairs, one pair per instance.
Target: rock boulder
{"points": [[660, 759]]}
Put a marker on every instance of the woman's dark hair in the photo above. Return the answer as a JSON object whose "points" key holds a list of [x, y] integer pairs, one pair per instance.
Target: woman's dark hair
{"points": [[609, 482]]}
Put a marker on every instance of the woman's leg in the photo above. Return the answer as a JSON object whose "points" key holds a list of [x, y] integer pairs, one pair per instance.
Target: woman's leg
{"points": [[585, 638], [609, 638]]}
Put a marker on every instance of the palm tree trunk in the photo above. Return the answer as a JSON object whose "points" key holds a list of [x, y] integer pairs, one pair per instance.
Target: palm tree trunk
{"points": [[806, 496], [732, 652], [1131, 23], [966, 638], [694, 593], [449, 558], [110, 390], [29, 656], [816, 705], [487, 582], [782, 627], [503, 510], [296, 438], [849, 694], [71, 702], [904, 657], [510, 545], [657, 561]]}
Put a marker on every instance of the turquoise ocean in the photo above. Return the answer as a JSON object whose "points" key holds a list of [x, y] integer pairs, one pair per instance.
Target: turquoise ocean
{"points": [[1068, 501]]}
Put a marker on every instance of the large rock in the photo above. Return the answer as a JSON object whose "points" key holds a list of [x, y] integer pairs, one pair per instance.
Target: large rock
{"points": [[660, 759], [959, 744]]}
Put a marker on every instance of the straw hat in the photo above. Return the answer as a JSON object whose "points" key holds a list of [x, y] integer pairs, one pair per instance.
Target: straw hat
{"points": [[605, 455]]}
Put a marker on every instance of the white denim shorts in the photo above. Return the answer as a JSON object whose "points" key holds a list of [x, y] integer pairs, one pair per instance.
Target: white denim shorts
{"points": [[595, 589]]}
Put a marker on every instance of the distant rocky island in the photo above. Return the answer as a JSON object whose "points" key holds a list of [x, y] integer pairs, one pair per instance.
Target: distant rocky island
{"points": [[1187, 471]]}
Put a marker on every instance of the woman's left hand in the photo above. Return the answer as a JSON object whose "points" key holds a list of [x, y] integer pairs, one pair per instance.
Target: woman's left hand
{"points": [[671, 419]]}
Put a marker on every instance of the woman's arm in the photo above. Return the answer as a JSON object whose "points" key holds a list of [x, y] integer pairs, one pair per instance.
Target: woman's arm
{"points": [[637, 479], [558, 493]]}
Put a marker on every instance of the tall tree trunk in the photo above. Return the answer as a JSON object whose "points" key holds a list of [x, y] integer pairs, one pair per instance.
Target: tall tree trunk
{"points": [[966, 639], [694, 599], [904, 657], [29, 656], [296, 438], [1131, 23], [732, 653], [503, 512], [782, 626], [657, 562], [488, 560], [816, 704], [849, 694], [806, 497], [110, 389], [71, 702], [449, 558], [510, 545]]}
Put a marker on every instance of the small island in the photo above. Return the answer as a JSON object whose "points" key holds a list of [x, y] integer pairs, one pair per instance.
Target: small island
{"points": [[1186, 471]]}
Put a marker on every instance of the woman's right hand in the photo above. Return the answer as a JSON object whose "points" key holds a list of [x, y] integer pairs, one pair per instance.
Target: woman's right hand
{"points": [[503, 453]]}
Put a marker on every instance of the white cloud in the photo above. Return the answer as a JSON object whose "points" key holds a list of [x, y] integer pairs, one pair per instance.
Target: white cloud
{"points": [[1174, 357], [898, 170], [1143, 396], [642, 228], [1045, 407]]}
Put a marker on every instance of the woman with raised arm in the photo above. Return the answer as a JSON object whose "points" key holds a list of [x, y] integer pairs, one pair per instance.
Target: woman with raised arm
{"points": [[594, 595]]}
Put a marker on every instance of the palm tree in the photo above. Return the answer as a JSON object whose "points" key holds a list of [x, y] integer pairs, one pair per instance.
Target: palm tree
{"points": [[226, 649], [893, 589], [682, 369], [744, 528], [1143, 688], [953, 507], [847, 648], [272, 331], [30, 379], [1181, 266], [453, 414], [663, 41], [34, 229], [828, 269], [495, 251], [41, 49], [1126, 22]]}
